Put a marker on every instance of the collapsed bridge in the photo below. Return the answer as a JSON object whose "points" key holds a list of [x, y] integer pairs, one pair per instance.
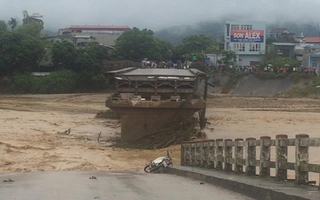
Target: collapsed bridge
{"points": [[149, 99]]}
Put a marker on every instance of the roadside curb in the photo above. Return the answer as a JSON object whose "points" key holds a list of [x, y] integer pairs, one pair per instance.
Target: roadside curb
{"points": [[254, 187]]}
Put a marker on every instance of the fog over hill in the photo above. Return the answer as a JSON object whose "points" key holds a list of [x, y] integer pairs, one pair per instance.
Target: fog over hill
{"points": [[158, 15], [215, 29]]}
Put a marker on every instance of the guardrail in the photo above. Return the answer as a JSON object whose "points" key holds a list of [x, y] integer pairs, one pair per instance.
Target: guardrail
{"points": [[239, 156]]}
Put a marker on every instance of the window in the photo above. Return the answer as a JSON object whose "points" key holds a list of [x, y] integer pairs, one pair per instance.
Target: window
{"points": [[239, 47], [235, 27], [255, 47], [246, 27], [228, 29]]}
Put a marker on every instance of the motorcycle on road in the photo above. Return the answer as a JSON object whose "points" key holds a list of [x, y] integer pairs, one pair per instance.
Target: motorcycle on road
{"points": [[159, 164]]}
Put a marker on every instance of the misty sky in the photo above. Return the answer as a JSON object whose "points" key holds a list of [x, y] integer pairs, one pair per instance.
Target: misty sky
{"points": [[157, 14]]}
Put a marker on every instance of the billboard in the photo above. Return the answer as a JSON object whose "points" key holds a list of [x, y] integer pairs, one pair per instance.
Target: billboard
{"points": [[256, 36]]}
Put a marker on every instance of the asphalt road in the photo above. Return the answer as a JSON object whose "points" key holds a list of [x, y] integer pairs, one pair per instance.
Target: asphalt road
{"points": [[107, 185]]}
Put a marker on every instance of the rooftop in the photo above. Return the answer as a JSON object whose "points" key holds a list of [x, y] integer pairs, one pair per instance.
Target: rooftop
{"points": [[283, 44], [160, 72], [279, 30], [99, 27], [312, 39]]}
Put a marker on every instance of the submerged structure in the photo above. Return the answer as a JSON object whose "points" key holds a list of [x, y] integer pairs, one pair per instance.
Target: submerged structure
{"points": [[150, 99]]}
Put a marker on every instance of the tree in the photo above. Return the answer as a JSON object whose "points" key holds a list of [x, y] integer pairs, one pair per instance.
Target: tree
{"points": [[100, 52], [229, 57], [33, 29], [138, 44], [31, 23], [276, 60], [86, 61], [63, 54], [162, 50], [195, 45], [13, 23], [3, 26], [27, 19], [19, 53]]}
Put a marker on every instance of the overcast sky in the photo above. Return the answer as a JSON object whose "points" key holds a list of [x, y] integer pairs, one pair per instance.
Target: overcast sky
{"points": [[157, 14]]}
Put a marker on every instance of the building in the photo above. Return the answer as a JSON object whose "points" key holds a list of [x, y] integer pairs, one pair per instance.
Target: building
{"points": [[312, 40], [104, 35], [284, 49], [247, 39], [150, 100], [280, 33], [313, 60]]}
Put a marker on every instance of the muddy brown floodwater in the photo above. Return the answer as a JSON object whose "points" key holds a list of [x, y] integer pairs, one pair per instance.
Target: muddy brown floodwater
{"points": [[34, 130]]}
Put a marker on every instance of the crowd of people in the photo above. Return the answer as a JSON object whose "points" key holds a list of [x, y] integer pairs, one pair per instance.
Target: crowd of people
{"points": [[230, 68], [165, 64], [267, 69]]}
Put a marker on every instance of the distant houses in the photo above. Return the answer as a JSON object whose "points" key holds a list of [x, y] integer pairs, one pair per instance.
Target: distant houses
{"points": [[247, 38], [81, 35]]}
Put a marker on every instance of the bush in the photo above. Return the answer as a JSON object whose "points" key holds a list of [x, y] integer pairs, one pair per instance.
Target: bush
{"points": [[296, 78], [234, 77], [88, 81], [311, 90], [21, 83], [63, 81]]}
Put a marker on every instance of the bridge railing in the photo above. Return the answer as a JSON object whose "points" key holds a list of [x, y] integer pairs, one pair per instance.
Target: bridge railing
{"points": [[240, 156]]}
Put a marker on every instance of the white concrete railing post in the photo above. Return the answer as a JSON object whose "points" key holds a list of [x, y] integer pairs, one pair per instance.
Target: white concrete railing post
{"points": [[238, 154], [265, 155], [302, 157], [281, 157]]}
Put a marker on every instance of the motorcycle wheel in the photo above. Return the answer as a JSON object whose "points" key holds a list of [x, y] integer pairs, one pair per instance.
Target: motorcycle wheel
{"points": [[161, 169], [147, 169]]}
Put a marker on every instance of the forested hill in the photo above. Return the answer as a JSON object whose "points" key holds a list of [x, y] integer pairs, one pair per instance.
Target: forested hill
{"points": [[215, 29]]}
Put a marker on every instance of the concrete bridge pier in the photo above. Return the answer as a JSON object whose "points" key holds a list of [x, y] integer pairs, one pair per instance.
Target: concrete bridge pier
{"points": [[141, 118]]}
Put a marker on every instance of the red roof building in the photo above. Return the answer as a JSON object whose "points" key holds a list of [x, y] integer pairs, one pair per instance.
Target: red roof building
{"points": [[312, 40], [98, 28]]}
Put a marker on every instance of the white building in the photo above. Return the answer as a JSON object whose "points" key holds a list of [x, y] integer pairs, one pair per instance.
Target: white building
{"points": [[105, 35], [247, 39]]}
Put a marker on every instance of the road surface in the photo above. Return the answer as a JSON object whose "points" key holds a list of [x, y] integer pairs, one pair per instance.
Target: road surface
{"points": [[107, 185]]}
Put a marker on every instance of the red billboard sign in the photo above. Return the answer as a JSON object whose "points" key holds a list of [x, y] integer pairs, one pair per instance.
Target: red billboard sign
{"points": [[256, 36]]}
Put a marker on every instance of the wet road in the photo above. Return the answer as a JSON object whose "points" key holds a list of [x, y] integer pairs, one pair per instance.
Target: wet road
{"points": [[107, 185]]}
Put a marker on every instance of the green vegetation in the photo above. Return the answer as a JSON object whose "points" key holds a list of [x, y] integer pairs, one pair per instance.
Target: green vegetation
{"points": [[138, 44], [297, 78], [63, 81], [195, 46], [23, 48], [234, 77], [77, 69], [229, 58], [306, 86]]}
